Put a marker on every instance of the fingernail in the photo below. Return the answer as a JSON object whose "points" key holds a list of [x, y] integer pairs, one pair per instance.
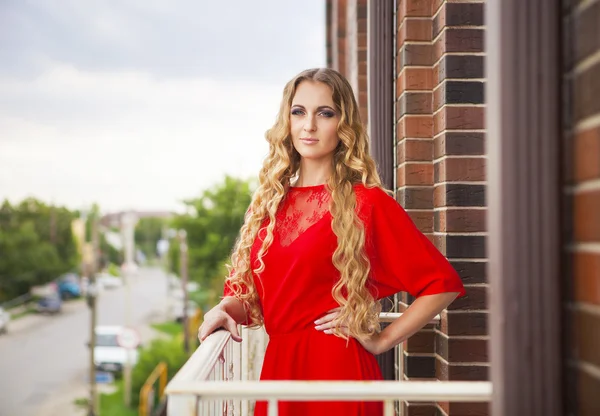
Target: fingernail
{"points": [[318, 327], [328, 331], [318, 321]]}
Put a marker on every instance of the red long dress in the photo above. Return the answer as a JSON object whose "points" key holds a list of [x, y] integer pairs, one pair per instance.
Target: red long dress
{"points": [[295, 290]]}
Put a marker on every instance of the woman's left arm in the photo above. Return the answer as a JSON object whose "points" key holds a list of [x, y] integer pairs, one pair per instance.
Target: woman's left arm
{"points": [[418, 314]]}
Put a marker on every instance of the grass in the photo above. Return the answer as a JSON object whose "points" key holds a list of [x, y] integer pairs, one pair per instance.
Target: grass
{"points": [[170, 328], [112, 404], [29, 310], [82, 402]]}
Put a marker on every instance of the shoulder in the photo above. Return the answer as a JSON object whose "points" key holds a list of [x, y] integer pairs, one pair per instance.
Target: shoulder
{"points": [[371, 195], [369, 199]]}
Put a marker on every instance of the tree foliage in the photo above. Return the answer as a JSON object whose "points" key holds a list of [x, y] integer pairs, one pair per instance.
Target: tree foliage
{"points": [[212, 223], [37, 245], [147, 233], [170, 351]]}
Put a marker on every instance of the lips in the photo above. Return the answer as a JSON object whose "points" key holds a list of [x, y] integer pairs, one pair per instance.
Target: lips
{"points": [[309, 139]]}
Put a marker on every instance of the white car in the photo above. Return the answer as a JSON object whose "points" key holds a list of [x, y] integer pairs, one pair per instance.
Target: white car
{"points": [[108, 281], [4, 320], [109, 355]]}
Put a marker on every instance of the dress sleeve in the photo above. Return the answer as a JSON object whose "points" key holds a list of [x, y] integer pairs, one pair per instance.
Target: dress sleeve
{"points": [[402, 258], [228, 291]]}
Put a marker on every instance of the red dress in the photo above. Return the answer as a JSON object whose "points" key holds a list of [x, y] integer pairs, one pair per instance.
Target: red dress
{"points": [[295, 290]]}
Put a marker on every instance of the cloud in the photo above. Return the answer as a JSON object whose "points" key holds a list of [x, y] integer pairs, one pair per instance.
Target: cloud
{"points": [[130, 135], [142, 104], [241, 39]]}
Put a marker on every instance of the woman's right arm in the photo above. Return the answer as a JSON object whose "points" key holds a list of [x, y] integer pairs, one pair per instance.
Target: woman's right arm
{"points": [[227, 314]]}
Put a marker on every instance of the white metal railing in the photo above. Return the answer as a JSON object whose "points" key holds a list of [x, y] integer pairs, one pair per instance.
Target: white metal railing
{"points": [[221, 378]]}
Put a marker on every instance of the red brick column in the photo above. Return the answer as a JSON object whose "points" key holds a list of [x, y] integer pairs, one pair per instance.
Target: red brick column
{"points": [[441, 180], [356, 52], [459, 196], [329, 38], [582, 207], [337, 31], [414, 168]]}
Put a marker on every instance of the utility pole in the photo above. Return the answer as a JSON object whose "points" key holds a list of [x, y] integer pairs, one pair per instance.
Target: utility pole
{"points": [[128, 221], [92, 298], [183, 269], [52, 224]]}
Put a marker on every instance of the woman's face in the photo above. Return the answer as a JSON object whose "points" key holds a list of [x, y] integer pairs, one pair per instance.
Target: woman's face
{"points": [[314, 120]]}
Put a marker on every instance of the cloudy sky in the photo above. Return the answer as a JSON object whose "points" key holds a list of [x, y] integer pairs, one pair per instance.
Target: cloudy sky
{"points": [[142, 103]]}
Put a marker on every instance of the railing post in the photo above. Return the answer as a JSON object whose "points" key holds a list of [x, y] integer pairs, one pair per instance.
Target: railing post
{"points": [[273, 409]]}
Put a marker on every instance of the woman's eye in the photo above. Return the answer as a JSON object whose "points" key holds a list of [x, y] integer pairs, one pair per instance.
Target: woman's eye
{"points": [[297, 112], [327, 114]]}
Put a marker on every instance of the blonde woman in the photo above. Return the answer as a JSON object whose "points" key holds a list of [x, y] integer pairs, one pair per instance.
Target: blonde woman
{"points": [[322, 242]]}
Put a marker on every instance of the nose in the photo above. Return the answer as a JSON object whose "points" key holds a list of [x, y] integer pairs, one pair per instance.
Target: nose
{"points": [[310, 123]]}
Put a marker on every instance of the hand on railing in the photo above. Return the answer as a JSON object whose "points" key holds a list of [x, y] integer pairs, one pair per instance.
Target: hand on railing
{"points": [[215, 319]]}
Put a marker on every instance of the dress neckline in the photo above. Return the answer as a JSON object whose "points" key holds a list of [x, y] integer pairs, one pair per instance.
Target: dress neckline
{"points": [[307, 188]]}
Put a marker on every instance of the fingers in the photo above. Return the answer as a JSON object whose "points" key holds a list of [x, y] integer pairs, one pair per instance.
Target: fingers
{"points": [[229, 325], [327, 318], [326, 325], [232, 327], [205, 330], [343, 330]]}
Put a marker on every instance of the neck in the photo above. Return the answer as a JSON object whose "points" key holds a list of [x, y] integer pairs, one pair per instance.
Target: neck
{"points": [[313, 172]]}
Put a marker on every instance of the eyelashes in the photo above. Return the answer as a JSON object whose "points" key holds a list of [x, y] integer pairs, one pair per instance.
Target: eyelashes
{"points": [[324, 113]]}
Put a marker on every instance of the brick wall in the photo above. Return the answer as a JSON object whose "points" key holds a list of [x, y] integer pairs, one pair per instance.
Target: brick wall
{"points": [[441, 179], [347, 35], [440, 166], [582, 205], [336, 27]]}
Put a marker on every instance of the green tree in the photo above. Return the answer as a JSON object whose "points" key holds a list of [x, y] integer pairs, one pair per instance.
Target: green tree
{"points": [[147, 233], [212, 224], [36, 243], [170, 351], [109, 254]]}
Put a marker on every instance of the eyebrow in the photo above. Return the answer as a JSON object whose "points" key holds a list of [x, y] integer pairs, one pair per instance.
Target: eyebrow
{"points": [[321, 107]]}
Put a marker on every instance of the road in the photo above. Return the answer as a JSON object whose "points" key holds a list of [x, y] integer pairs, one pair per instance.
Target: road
{"points": [[42, 354]]}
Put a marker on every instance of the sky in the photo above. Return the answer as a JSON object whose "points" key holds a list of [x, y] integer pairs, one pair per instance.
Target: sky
{"points": [[140, 104]]}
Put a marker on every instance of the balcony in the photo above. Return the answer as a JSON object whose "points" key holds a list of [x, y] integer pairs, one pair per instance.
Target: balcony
{"points": [[221, 378]]}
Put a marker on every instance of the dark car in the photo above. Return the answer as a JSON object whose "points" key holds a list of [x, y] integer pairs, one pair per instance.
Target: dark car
{"points": [[69, 286], [49, 304]]}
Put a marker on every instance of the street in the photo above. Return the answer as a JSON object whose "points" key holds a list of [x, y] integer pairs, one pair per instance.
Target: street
{"points": [[41, 355]]}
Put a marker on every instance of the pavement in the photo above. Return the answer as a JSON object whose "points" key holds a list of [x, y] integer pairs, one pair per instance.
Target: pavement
{"points": [[44, 359]]}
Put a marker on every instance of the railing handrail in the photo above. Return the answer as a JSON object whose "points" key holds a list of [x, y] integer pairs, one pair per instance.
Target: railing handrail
{"points": [[16, 302], [424, 391], [388, 317], [213, 379], [200, 364]]}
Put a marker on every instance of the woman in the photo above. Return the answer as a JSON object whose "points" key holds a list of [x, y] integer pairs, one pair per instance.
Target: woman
{"points": [[321, 244]]}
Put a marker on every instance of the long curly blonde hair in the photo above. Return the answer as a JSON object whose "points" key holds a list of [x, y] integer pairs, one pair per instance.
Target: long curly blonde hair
{"points": [[352, 164]]}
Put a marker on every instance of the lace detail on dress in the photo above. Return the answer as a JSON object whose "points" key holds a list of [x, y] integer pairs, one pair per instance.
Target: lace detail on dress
{"points": [[301, 209]]}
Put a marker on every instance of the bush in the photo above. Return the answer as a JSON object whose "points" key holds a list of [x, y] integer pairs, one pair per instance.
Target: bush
{"points": [[114, 270], [168, 350]]}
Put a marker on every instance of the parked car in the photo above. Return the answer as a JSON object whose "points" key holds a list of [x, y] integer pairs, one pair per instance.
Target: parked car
{"points": [[108, 354], [4, 320], [49, 304], [69, 286]]}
